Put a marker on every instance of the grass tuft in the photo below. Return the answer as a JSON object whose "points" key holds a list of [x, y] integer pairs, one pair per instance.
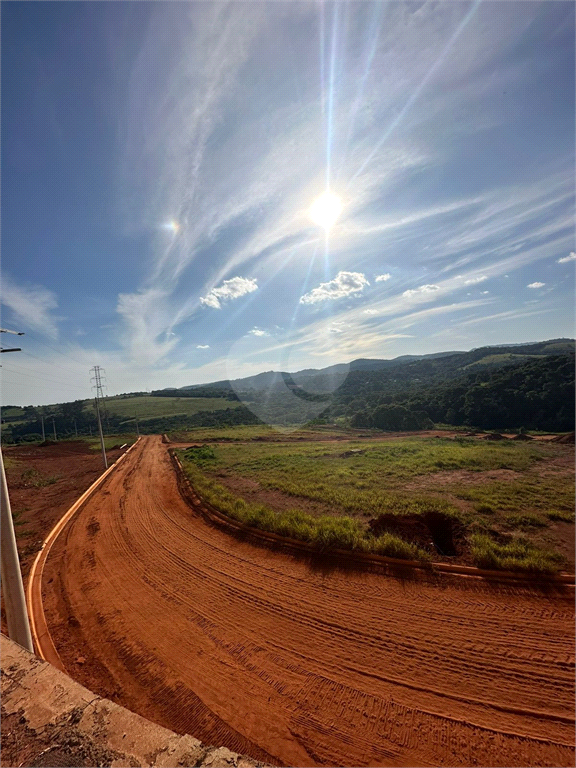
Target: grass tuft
{"points": [[517, 555], [565, 515]]}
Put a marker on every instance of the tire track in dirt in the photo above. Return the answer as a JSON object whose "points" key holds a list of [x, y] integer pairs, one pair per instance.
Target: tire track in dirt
{"points": [[263, 653]]}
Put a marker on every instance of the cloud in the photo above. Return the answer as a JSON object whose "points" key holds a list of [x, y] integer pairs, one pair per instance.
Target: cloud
{"points": [[344, 284], [31, 306], [371, 311], [145, 317], [202, 346], [536, 285], [485, 292], [258, 332], [382, 278], [422, 289], [474, 280], [230, 289], [570, 257]]}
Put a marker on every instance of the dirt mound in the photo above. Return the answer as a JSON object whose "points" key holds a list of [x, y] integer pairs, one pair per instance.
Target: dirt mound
{"points": [[564, 439], [494, 436], [435, 532], [522, 437]]}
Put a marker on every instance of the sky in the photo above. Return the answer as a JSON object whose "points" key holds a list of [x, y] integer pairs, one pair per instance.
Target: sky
{"points": [[170, 171]]}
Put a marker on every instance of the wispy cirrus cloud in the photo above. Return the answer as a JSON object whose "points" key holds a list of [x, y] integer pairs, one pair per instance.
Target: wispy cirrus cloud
{"points": [[344, 284], [230, 289], [32, 306]]}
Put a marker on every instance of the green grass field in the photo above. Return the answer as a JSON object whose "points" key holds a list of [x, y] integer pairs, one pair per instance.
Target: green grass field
{"points": [[156, 407], [255, 432], [359, 480]]}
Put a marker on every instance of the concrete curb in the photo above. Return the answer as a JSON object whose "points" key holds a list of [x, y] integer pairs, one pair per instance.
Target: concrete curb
{"points": [[566, 580], [48, 716], [38, 626]]}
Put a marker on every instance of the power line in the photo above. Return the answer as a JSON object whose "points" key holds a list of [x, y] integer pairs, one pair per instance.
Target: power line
{"points": [[47, 362], [23, 372], [59, 351]]}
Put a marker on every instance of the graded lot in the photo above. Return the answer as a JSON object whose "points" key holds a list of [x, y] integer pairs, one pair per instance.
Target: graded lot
{"points": [[43, 482], [301, 662]]}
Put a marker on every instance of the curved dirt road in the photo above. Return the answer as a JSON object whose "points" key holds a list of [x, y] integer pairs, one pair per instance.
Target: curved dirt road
{"points": [[151, 606]]}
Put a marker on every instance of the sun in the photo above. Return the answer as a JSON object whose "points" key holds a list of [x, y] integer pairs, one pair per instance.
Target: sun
{"points": [[325, 210]]}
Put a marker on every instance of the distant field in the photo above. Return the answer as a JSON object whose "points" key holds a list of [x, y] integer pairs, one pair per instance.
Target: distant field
{"points": [[256, 432], [506, 494], [157, 407]]}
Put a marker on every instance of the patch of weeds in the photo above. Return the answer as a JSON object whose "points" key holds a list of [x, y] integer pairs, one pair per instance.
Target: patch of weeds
{"points": [[525, 521], [485, 509], [32, 478], [560, 514], [200, 455], [516, 555]]}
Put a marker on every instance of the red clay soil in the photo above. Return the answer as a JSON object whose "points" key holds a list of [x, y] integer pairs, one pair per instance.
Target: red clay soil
{"points": [[298, 662], [44, 482]]}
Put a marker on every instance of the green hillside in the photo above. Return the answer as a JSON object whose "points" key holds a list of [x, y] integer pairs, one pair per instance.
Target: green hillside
{"points": [[147, 407]]}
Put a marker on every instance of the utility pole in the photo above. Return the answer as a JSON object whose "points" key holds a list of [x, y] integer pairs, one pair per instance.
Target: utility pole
{"points": [[12, 586], [137, 428], [97, 379], [54, 428], [43, 432], [76, 427]]}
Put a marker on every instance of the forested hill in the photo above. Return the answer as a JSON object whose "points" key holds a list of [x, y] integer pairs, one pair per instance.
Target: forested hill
{"points": [[535, 393], [410, 366]]}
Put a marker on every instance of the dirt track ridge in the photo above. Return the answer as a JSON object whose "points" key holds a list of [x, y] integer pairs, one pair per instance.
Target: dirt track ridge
{"points": [[295, 663]]}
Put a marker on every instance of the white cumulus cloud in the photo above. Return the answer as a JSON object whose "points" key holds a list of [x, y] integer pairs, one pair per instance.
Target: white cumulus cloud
{"points": [[344, 284], [258, 332], [570, 257], [382, 278], [476, 280], [202, 346], [230, 289], [536, 285], [422, 289]]}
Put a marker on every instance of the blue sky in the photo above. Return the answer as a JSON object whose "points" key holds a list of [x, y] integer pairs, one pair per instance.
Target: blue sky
{"points": [[159, 163]]}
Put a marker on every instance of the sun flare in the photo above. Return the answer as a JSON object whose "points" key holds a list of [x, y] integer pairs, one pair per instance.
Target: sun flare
{"points": [[325, 209], [172, 226]]}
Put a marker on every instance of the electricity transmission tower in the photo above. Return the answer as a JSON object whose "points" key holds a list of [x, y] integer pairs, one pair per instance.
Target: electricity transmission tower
{"points": [[97, 379], [12, 586]]}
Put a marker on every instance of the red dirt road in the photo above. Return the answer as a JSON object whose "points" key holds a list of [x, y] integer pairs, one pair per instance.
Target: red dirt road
{"points": [[241, 646]]}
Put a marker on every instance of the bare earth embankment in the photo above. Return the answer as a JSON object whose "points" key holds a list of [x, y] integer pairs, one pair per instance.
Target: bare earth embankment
{"points": [[241, 646]]}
